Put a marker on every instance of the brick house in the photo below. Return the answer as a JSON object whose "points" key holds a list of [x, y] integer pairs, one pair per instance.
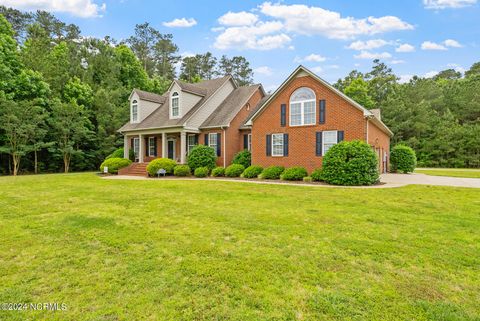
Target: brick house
{"points": [[294, 126]]}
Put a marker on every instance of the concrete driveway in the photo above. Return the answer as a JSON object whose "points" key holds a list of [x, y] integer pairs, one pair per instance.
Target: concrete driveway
{"points": [[423, 179]]}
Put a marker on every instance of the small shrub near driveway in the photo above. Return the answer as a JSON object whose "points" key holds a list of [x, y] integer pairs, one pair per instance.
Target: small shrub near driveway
{"points": [[252, 171], [201, 172], [295, 173], [234, 170], [350, 163], [272, 172], [317, 175], [114, 164], [308, 179], [181, 170], [403, 159], [243, 158], [166, 163], [202, 156], [218, 171]]}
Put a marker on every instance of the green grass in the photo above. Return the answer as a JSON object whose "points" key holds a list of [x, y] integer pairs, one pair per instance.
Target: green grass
{"points": [[453, 172], [209, 250]]}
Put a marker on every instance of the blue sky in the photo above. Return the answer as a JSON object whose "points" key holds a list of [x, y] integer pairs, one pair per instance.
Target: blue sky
{"points": [[331, 37]]}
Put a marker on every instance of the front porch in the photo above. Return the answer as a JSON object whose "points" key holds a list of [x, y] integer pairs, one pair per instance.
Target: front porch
{"points": [[148, 145]]}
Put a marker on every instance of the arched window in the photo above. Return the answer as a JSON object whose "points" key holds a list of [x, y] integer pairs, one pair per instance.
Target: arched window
{"points": [[302, 107], [175, 106], [134, 111]]}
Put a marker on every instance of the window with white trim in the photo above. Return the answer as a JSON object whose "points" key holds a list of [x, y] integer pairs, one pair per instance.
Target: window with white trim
{"points": [[136, 146], [303, 107], [329, 139], [212, 141], [191, 143], [134, 109], [151, 146], [277, 144], [175, 106], [249, 142]]}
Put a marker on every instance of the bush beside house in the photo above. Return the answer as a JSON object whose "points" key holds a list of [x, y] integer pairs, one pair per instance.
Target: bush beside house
{"points": [[181, 170], [218, 171], [118, 153], [243, 158], [166, 163], [234, 170], [114, 164], [252, 171], [317, 175], [201, 172], [403, 159], [202, 156], [272, 172], [295, 173]]}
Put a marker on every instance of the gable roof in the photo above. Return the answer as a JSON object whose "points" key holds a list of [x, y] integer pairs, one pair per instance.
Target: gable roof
{"points": [[160, 117], [226, 111], [145, 95]]}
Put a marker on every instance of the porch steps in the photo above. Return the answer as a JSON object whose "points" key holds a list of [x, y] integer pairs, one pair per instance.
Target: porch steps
{"points": [[135, 169]]}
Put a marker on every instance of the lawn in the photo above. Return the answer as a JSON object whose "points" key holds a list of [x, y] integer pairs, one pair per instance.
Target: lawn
{"points": [[209, 250], [453, 172]]}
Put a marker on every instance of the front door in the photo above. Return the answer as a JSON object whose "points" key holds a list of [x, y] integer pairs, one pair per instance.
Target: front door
{"points": [[171, 149]]}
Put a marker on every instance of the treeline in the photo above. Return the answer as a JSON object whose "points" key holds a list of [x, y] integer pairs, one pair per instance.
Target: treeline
{"points": [[439, 117], [63, 97]]}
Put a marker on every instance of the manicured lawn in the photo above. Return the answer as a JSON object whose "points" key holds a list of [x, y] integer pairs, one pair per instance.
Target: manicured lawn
{"points": [[203, 250], [453, 172]]}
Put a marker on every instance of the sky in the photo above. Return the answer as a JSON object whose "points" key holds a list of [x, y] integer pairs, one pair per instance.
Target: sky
{"points": [[330, 37]]}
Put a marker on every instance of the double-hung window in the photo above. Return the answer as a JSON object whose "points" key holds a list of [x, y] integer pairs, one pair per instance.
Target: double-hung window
{"points": [[191, 143], [330, 138], [277, 144], [151, 146], [175, 106], [212, 140], [134, 111], [302, 107]]}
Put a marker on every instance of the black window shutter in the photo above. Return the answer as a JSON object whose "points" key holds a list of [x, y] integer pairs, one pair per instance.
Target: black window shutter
{"points": [[219, 144], [155, 146], [196, 140], [206, 139], [285, 144], [269, 145], [147, 150], [245, 141], [340, 135], [321, 111], [131, 143], [318, 144], [283, 115]]}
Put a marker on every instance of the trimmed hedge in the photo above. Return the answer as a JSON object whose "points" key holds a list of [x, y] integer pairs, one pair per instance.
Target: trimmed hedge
{"points": [[350, 163], [234, 170], [166, 163], [218, 171], [403, 159], [201, 172], [308, 179], [252, 171], [181, 170], [272, 172], [114, 164], [202, 156], [243, 158], [295, 173], [317, 175]]}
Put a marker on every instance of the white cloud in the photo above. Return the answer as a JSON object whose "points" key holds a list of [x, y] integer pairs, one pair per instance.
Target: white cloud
{"points": [[180, 23], [372, 55], [217, 29], [307, 20], [311, 58], [332, 66], [241, 18], [430, 74], [397, 62], [405, 48], [368, 45], [263, 70], [428, 45], [258, 36], [79, 8], [443, 4], [452, 43], [405, 78]]}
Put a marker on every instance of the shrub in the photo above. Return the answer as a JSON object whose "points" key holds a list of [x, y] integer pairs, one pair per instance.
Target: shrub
{"points": [[317, 175], [201, 172], [234, 170], [403, 159], [272, 172], [202, 156], [308, 179], [181, 170], [243, 158], [119, 154], [166, 163], [218, 171], [295, 173], [252, 171], [114, 164], [350, 163]]}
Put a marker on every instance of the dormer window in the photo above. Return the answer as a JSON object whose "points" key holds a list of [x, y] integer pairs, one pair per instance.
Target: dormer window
{"points": [[175, 106], [134, 111]]}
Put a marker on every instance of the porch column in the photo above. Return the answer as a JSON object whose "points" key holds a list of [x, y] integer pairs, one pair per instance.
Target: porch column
{"points": [[183, 146], [164, 145], [141, 148], [126, 147]]}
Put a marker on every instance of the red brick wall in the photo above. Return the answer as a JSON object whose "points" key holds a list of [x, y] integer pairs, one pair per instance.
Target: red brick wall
{"points": [[381, 145], [340, 115]]}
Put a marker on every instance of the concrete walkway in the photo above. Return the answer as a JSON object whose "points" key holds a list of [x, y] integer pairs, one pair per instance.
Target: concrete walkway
{"points": [[388, 180]]}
